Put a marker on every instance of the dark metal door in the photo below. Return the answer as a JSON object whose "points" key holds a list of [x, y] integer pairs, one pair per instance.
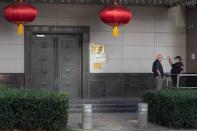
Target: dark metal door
{"points": [[69, 64], [56, 63], [42, 62]]}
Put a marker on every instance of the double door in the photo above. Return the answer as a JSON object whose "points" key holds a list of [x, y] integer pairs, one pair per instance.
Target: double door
{"points": [[56, 63]]}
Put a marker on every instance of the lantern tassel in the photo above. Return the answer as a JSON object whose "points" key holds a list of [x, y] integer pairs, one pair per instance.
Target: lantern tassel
{"points": [[20, 29], [115, 32]]}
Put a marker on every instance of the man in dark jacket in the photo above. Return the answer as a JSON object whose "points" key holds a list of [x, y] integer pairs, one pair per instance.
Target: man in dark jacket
{"points": [[157, 69], [177, 68]]}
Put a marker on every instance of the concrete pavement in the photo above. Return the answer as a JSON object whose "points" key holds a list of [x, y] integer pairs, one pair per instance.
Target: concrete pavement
{"points": [[113, 122]]}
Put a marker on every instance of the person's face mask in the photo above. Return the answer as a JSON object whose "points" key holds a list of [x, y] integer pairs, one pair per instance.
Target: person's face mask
{"points": [[176, 60]]}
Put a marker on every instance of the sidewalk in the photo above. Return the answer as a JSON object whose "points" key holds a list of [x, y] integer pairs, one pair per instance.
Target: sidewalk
{"points": [[113, 122]]}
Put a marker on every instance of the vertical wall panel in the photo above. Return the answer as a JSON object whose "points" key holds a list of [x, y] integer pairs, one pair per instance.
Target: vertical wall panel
{"points": [[191, 40]]}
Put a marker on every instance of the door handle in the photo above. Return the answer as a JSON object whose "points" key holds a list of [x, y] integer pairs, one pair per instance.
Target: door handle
{"points": [[44, 71], [67, 83], [67, 70], [43, 83], [67, 57], [44, 58]]}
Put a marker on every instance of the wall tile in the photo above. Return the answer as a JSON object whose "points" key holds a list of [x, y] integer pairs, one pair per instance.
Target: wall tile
{"points": [[137, 66], [168, 26], [7, 26], [139, 25], [170, 39], [113, 52], [95, 24], [45, 21], [105, 38], [144, 66], [78, 11], [138, 39], [138, 52], [47, 10], [171, 51], [10, 37], [74, 21], [166, 13], [12, 65], [142, 12], [12, 51]]}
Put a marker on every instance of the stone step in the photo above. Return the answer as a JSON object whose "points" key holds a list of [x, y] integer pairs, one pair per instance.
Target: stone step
{"points": [[132, 105], [106, 105], [108, 110], [107, 101]]}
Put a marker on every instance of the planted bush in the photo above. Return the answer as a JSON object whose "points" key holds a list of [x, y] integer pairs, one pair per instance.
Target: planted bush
{"points": [[173, 108], [31, 110]]}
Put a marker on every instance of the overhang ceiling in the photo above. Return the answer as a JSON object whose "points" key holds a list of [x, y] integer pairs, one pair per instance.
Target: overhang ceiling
{"points": [[123, 2]]}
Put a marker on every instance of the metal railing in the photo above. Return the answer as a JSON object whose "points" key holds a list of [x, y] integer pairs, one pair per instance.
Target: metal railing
{"points": [[168, 79], [181, 75]]}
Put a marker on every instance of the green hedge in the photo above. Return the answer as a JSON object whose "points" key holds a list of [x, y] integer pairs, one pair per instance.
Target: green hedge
{"points": [[27, 109], [172, 108]]}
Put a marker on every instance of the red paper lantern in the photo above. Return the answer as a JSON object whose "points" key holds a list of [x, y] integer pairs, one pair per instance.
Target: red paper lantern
{"points": [[115, 15], [20, 13]]}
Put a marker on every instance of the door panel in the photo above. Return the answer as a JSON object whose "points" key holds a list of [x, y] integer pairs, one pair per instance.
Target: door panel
{"points": [[42, 62], [69, 64]]}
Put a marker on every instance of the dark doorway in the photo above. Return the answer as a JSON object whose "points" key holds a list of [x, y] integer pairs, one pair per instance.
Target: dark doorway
{"points": [[55, 61]]}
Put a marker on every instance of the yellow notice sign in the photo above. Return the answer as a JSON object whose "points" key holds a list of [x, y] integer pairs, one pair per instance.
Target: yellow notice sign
{"points": [[97, 66], [97, 49]]}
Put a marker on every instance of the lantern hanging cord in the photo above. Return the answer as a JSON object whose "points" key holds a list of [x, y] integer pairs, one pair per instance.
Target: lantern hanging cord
{"points": [[115, 2], [20, 0]]}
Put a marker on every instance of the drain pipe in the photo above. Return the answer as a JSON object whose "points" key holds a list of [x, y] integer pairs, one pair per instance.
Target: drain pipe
{"points": [[142, 115], [87, 117]]}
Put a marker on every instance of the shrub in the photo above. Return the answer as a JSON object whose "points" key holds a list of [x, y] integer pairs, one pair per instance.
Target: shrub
{"points": [[27, 109], [172, 108], [3, 87]]}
